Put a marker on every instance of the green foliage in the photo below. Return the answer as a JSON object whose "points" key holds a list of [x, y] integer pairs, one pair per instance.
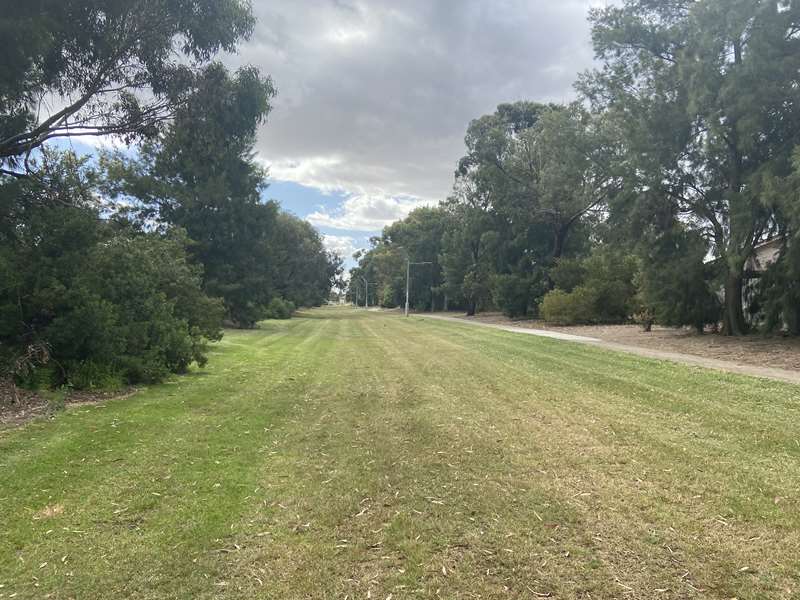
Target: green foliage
{"points": [[202, 177], [417, 238], [278, 308], [304, 270], [123, 66], [780, 287], [677, 286], [705, 97], [780, 292], [512, 294], [110, 302], [568, 273], [578, 307], [597, 289], [90, 375]]}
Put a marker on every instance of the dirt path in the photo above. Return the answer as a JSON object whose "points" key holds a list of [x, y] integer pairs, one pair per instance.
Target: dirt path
{"points": [[787, 375]]}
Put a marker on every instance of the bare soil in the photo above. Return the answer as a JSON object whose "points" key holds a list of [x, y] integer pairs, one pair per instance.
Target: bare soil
{"points": [[772, 351], [18, 406]]}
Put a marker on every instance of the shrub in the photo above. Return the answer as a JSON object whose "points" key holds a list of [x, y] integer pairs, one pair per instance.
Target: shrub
{"points": [[597, 289], [779, 290], [512, 294], [568, 273], [578, 307], [278, 308], [91, 375], [676, 283], [110, 303]]}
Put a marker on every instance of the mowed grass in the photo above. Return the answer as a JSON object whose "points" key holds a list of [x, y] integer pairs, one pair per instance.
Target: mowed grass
{"points": [[347, 454]]}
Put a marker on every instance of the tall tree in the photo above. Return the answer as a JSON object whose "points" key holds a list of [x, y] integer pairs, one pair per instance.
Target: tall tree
{"points": [[201, 176], [304, 270], [707, 95], [117, 67]]}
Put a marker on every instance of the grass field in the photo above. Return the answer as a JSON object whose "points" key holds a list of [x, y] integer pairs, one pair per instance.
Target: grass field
{"points": [[352, 455]]}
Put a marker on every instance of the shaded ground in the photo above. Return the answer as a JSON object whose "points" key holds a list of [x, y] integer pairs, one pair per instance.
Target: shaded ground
{"points": [[362, 455], [18, 405], [761, 351]]}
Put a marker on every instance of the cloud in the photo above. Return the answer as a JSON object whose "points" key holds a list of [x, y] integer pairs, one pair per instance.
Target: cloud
{"points": [[343, 245], [364, 212], [375, 97]]}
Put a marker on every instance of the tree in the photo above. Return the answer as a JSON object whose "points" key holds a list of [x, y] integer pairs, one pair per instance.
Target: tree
{"points": [[467, 248], [544, 168], [419, 237], [120, 67], [599, 288], [304, 271], [677, 286], [201, 176], [779, 288], [707, 98], [571, 155], [109, 302], [533, 176]]}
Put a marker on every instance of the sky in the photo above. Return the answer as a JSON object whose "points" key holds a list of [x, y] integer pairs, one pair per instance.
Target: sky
{"points": [[374, 96]]}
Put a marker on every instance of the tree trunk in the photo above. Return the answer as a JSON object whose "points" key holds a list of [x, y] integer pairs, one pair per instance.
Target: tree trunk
{"points": [[445, 303], [733, 319], [472, 308], [559, 241]]}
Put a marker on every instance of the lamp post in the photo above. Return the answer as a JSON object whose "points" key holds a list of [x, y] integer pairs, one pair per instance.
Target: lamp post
{"points": [[409, 264], [366, 291]]}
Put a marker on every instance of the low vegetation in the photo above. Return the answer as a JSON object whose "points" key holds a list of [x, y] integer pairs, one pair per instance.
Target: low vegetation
{"points": [[346, 453]]}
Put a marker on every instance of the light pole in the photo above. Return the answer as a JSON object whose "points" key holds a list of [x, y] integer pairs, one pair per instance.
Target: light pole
{"points": [[409, 264], [366, 292]]}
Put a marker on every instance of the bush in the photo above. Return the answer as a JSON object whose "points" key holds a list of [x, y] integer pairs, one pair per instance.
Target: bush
{"points": [[597, 289], [779, 290], [578, 307], [111, 304], [278, 308], [568, 273], [512, 294], [676, 283], [90, 375]]}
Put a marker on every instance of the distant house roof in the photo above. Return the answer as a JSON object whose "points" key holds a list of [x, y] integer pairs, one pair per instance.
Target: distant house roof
{"points": [[765, 254]]}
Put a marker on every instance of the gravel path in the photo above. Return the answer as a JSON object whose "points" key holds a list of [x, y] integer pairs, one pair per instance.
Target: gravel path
{"points": [[787, 375]]}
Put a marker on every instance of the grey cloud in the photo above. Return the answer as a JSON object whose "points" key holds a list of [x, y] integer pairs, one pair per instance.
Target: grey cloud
{"points": [[375, 97]]}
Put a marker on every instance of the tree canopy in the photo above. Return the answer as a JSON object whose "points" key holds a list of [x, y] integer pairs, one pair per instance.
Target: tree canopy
{"points": [[88, 67]]}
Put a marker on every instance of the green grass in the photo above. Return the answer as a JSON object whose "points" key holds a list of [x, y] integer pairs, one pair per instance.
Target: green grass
{"points": [[345, 454]]}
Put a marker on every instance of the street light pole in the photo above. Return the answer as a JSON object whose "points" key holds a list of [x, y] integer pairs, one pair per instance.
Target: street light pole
{"points": [[408, 282]]}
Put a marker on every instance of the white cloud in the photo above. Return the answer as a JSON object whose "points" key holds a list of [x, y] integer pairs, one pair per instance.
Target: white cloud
{"points": [[343, 245], [315, 171], [367, 212]]}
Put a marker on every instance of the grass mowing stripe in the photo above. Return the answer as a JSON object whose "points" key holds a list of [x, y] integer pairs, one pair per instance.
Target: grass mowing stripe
{"points": [[361, 454]]}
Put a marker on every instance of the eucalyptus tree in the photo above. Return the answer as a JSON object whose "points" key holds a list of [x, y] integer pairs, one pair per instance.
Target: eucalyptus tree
{"points": [[99, 67], [200, 175], [706, 94]]}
